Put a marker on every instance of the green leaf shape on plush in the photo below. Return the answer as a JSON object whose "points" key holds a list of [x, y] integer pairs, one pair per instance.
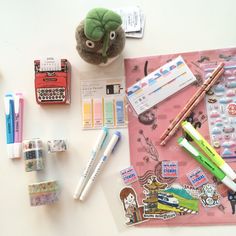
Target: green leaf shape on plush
{"points": [[100, 21]]}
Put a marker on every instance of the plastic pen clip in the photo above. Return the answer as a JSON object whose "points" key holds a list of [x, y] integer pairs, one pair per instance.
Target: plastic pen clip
{"points": [[18, 107], [9, 114]]}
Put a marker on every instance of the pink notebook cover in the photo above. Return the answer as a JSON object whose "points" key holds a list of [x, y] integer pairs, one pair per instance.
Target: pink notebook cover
{"points": [[144, 131]]}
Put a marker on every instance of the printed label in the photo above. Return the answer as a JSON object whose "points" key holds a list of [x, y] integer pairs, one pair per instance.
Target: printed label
{"points": [[170, 169], [129, 175], [197, 177]]}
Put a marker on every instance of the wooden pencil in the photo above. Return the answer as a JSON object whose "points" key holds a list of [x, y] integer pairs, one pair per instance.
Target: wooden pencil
{"points": [[191, 101], [191, 107]]}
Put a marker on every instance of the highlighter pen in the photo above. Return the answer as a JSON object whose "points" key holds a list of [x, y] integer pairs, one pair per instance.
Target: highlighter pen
{"points": [[109, 149], [18, 108], [205, 162], [208, 149], [9, 114], [100, 140]]}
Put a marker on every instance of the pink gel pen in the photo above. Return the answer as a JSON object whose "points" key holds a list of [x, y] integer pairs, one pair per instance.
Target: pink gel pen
{"points": [[18, 107]]}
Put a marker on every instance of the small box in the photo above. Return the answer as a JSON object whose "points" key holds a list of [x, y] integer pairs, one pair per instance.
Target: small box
{"points": [[52, 81]]}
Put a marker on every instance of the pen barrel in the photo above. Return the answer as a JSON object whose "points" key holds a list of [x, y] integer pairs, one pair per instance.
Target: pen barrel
{"points": [[199, 157], [211, 167], [85, 174], [10, 122], [92, 179]]}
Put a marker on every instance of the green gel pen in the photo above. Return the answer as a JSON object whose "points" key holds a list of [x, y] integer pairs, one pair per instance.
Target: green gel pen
{"points": [[208, 149], [205, 162]]}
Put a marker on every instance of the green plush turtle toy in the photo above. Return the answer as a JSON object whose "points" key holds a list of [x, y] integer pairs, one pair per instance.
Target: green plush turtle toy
{"points": [[100, 38]]}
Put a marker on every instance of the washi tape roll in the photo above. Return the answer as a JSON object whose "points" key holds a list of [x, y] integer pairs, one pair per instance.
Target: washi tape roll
{"points": [[33, 155], [58, 145], [43, 193]]}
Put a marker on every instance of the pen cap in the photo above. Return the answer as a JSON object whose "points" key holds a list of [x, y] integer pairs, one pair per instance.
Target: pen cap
{"points": [[229, 183], [228, 171], [17, 150], [10, 150], [101, 139], [112, 144]]}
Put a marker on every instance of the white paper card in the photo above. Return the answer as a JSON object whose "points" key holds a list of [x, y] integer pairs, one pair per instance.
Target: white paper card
{"points": [[130, 18], [160, 84]]}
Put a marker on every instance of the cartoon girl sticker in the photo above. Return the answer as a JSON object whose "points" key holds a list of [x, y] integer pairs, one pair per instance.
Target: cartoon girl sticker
{"points": [[132, 210]]}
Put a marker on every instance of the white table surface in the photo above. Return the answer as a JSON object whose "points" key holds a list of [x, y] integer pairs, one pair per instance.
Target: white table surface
{"points": [[31, 29]]}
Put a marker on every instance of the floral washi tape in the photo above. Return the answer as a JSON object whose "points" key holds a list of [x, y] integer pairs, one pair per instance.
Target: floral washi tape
{"points": [[33, 155], [129, 175], [197, 177], [43, 193], [58, 145]]}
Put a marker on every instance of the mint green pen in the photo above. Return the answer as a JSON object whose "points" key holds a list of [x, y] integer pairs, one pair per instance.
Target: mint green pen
{"points": [[205, 162]]}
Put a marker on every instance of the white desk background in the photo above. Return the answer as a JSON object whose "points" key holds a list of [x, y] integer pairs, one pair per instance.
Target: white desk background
{"points": [[30, 29]]}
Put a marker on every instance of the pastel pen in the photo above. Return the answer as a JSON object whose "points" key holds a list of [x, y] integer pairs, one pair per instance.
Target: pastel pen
{"points": [[18, 123], [208, 149], [205, 162], [9, 114], [100, 140], [109, 149]]}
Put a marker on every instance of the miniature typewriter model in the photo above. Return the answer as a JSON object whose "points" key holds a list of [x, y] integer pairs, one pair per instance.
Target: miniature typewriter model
{"points": [[52, 81]]}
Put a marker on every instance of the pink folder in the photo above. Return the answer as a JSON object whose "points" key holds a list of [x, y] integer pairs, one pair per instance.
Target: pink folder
{"points": [[144, 131]]}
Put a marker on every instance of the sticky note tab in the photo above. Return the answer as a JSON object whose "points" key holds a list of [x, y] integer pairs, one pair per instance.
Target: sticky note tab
{"points": [[87, 113], [120, 113], [97, 112], [108, 112]]}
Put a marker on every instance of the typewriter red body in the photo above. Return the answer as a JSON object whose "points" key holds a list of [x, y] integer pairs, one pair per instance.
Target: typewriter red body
{"points": [[52, 86]]}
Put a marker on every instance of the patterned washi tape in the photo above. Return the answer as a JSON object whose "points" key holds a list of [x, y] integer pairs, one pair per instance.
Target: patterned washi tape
{"points": [[33, 155], [43, 193], [58, 145]]}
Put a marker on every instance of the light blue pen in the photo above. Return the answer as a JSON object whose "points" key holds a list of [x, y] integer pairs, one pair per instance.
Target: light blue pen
{"points": [[9, 112], [101, 138], [109, 149]]}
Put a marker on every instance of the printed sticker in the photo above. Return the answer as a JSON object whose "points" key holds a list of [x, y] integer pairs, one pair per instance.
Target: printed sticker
{"points": [[195, 193], [133, 212], [165, 202], [129, 175], [197, 177], [169, 169], [209, 197], [232, 200], [179, 199]]}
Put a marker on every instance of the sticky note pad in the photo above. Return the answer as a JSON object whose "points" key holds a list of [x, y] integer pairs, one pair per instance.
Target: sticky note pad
{"points": [[97, 112], [108, 112], [87, 113]]}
